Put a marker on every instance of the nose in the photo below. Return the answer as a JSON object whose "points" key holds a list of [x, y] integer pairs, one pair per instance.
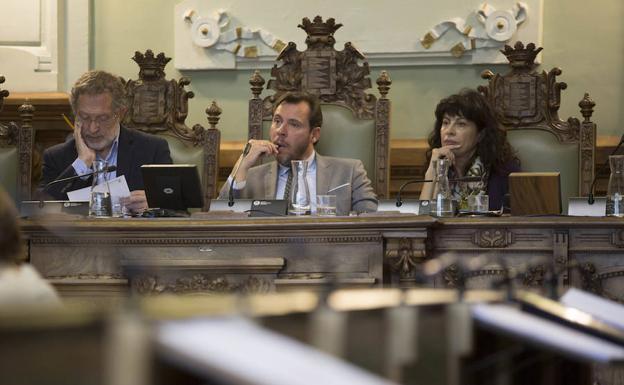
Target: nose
{"points": [[449, 129], [281, 129], [91, 126]]}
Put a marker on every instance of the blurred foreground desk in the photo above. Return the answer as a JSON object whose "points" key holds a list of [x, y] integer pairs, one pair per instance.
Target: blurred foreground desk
{"points": [[101, 257]]}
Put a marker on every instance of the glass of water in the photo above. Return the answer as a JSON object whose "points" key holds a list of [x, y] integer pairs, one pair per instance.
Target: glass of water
{"points": [[326, 205]]}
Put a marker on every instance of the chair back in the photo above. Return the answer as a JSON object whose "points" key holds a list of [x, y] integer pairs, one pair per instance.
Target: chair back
{"points": [[527, 105], [16, 149], [160, 106], [356, 124]]}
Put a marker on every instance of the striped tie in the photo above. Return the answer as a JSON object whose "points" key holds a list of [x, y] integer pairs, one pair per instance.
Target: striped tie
{"points": [[288, 185]]}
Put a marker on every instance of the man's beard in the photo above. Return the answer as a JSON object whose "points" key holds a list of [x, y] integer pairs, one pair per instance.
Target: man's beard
{"points": [[298, 153]]}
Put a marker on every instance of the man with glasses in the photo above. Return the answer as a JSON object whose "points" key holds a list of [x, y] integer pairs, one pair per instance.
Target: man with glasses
{"points": [[98, 102]]}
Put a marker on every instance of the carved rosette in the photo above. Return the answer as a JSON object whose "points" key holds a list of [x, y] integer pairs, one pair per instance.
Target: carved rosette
{"points": [[493, 238], [404, 256], [200, 283], [590, 279]]}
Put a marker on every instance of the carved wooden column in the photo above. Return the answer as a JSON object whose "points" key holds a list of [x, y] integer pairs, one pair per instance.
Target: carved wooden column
{"points": [[382, 128], [212, 146], [587, 145], [26, 141], [256, 110]]}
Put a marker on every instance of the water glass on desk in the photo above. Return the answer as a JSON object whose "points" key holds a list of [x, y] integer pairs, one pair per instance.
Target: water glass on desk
{"points": [[326, 205], [478, 203]]}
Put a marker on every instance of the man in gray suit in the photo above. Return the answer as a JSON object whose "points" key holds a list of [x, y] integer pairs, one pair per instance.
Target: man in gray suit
{"points": [[295, 128]]}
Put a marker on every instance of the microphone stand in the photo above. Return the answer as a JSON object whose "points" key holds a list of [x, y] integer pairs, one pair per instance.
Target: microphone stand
{"points": [[234, 172], [56, 181], [465, 179], [590, 196]]}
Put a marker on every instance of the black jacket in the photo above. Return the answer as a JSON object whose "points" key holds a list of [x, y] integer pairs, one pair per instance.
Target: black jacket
{"points": [[135, 149]]}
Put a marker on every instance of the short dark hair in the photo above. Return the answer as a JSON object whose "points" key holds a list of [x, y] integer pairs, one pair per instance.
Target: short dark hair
{"points": [[493, 147], [10, 239], [316, 115]]}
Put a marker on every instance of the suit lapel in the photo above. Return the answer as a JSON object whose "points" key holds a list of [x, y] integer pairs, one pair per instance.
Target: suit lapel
{"points": [[270, 181], [323, 175], [124, 152]]}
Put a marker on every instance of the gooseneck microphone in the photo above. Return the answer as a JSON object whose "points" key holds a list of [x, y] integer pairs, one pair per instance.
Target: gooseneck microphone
{"points": [[105, 170], [234, 172], [590, 196], [465, 179]]}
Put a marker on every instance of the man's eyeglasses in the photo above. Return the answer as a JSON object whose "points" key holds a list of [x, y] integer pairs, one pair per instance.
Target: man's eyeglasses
{"points": [[100, 121]]}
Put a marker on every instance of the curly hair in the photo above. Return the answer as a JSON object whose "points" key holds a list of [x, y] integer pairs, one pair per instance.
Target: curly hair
{"points": [[97, 82], [493, 148]]}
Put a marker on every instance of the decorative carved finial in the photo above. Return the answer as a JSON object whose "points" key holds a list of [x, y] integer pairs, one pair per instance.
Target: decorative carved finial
{"points": [[3, 93], [213, 111], [152, 67], [320, 34], [587, 107], [26, 111], [487, 74], [521, 57], [257, 84], [383, 83]]}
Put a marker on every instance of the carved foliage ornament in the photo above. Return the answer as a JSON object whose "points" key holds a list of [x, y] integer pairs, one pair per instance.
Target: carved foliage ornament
{"points": [[334, 76], [493, 238], [199, 283], [403, 257]]}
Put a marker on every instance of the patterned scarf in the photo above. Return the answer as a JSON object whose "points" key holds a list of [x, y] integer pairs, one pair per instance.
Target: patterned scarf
{"points": [[461, 191]]}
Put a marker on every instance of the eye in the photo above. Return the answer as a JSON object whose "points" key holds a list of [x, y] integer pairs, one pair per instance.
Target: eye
{"points": [[277, 120]]}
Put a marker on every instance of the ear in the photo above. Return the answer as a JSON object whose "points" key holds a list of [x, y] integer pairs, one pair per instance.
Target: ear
{"points": [[316, 134]]}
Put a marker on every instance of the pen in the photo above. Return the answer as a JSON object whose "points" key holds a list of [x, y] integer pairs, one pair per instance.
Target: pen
{"points": [[69, 123], [337, 187]]}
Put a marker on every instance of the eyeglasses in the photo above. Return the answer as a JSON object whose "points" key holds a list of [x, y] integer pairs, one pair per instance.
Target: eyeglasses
{"points": [[100, 121]]}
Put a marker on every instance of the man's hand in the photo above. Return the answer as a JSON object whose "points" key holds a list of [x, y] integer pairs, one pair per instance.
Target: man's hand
{"points": [[136, 202], [85, 154], [258, 149]]}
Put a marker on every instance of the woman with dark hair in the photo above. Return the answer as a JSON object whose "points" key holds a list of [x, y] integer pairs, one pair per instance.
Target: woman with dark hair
{"points": [[467, 133]]}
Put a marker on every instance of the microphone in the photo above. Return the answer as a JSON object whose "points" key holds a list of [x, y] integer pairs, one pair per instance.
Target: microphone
{"points": [[465, 179], [234, 172], [105, 170], [590, 196]]}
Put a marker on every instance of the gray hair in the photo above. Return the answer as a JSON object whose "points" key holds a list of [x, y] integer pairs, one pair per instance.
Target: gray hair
{"points": [[98, 82]]}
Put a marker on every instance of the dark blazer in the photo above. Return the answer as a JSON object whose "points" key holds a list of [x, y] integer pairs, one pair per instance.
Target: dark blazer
{"points": [[135, 149]]}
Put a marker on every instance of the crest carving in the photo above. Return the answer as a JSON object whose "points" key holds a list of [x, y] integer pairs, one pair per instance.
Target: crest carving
{"points": [[525, 98], [334, 76]]}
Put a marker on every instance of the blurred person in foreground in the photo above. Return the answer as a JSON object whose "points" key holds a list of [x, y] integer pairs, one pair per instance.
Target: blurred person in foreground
{"points": [[20, 284]]}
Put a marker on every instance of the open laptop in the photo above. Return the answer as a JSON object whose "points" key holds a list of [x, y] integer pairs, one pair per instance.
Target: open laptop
{"points": [[172, 186]]}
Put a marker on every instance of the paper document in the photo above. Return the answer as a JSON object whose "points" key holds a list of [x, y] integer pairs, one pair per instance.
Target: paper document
{"points": [[118, 188]]}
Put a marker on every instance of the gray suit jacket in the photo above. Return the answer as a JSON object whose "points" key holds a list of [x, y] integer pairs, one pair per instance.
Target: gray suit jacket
{"points": [[330, 172]]}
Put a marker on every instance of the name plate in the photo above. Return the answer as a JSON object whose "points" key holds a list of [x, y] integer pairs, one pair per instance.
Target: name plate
{"points": [[578, 206]]}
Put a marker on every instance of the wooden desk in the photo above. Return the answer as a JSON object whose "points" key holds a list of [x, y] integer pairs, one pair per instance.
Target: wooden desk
{"points": [[87, 257], [102, 257]]}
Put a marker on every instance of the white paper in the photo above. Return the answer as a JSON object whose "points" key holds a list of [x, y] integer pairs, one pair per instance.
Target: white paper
{"points": [[118, 188], [601, 308], [548, 333], [239, 351]]}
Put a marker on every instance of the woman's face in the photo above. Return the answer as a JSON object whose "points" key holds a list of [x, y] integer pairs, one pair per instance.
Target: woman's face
{"points": [[459, 131]]}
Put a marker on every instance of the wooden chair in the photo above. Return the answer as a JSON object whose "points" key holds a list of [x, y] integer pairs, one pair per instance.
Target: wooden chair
{"points": [[16, 152], [527, 105], [160, 106], [350, 115]]}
